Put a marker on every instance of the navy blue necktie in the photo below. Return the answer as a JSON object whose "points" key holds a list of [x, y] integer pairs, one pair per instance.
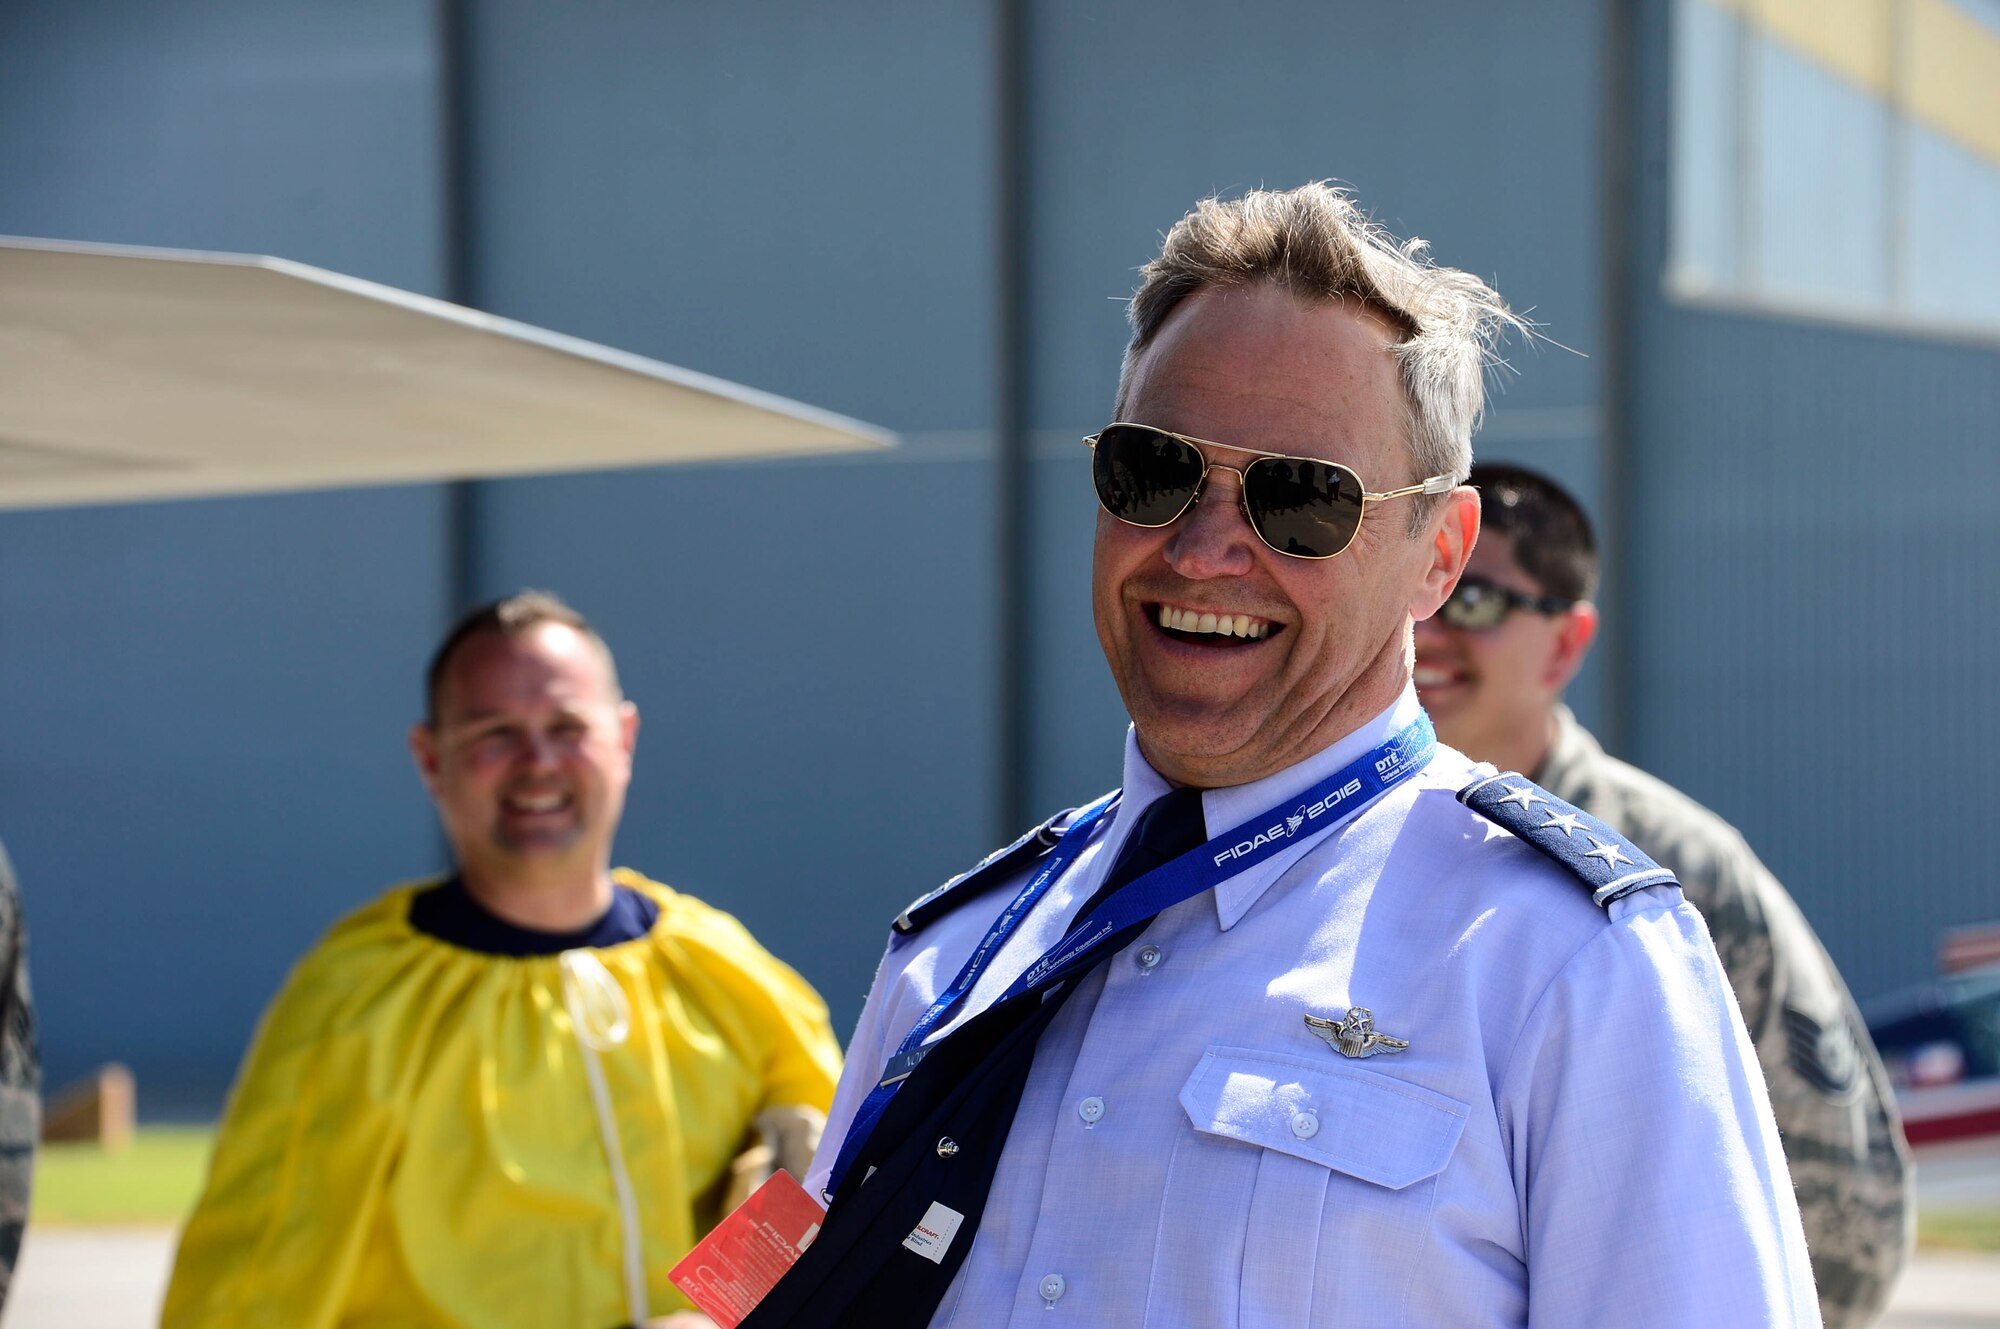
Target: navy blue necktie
{"points": [[939, 1141], [1168, 828]]}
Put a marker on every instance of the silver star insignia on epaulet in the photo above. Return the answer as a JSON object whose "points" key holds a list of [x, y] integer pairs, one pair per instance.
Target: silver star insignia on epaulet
{"points": [[1610, 853], [1566, 823], [1526, 797], [1354, 1035]]}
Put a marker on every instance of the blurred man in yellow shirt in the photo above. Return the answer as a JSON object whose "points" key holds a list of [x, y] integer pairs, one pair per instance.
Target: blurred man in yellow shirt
{"points": [[500, 1098]]}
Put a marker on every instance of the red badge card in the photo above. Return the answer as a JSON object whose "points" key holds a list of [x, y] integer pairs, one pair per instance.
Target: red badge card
{"points": [[749, 1251]]}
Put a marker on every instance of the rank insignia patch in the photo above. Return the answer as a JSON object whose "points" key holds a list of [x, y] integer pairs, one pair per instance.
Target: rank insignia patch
{"points": [[1824, 1055], [1610, 865]]}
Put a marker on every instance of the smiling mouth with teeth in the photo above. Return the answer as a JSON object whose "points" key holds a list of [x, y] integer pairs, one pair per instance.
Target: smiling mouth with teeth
{"points": [[1211, 628]]}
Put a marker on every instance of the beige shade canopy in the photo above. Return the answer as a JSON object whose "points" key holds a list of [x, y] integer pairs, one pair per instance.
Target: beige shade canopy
{"points": [[141, 374]]}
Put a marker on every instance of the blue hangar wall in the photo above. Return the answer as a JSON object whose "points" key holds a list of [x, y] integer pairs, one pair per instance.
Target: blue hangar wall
{"points": [[1809, 467], [203, 703]]}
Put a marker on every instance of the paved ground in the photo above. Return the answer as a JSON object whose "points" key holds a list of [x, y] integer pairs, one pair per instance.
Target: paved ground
{"points": [[1948, 1292], [111, 1278], [90, 1278], [1959, 1176]]}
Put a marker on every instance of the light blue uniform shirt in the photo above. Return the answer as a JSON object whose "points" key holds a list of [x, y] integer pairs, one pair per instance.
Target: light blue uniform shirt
{"points": [[1577, 1135]]}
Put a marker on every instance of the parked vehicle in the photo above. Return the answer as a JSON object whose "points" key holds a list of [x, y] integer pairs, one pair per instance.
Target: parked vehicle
{"points": [[1941, 1044]]}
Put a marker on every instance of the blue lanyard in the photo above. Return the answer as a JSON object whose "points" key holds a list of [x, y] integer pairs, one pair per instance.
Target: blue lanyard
{"points": [[1320, 808], [1058, 862]]}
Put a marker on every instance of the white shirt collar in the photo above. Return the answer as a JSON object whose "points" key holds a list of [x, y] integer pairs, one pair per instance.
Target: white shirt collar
{"points": [[1224, 808]]}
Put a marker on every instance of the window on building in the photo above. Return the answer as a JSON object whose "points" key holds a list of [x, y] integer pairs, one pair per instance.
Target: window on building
{"points": [[1840, 156]]}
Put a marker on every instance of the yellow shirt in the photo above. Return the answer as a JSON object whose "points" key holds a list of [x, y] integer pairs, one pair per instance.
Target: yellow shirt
{"points": [[413, 1138]]}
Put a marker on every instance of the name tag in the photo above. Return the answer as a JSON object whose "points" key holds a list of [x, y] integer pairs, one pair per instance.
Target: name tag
{"points": [[739, 1263]]}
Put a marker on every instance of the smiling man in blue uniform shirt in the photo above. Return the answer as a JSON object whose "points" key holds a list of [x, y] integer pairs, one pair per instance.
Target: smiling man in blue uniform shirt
{"points": [[1401, 1042]]}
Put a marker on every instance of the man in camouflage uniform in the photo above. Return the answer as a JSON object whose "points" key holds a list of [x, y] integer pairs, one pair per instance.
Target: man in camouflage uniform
{"points": [[20, 1078], [1491, 666]]}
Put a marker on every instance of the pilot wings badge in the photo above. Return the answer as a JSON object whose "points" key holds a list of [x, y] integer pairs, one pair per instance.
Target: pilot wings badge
{"points": [[1355, 1035]]}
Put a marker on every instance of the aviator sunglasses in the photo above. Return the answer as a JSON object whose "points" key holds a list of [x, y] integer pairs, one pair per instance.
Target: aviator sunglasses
{"points": [[1300, 506], [1477, 604]]}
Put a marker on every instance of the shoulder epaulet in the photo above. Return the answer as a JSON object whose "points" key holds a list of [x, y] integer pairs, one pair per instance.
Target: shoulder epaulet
{"points": [[988, 872], [1607, 863]]}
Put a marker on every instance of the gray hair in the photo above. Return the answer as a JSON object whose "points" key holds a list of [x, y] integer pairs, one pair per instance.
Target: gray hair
{"points": [[1314, 243]]}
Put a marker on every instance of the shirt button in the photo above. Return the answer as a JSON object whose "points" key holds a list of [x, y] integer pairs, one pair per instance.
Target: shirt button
{"points": [[1149, 957], [1053, 1287], [1091, 1109], [1305, 1125]]}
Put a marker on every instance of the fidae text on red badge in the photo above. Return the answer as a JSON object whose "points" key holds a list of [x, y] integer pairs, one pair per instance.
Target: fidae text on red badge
{"points": [[735, 1266]]}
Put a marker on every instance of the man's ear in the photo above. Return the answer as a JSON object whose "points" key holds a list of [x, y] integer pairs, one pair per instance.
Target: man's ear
{"points": [[1453, 532], [1577, 629], [628, 724], [424, 752]]}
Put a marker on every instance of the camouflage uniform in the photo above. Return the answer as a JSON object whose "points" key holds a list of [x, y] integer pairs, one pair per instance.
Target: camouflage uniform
{"points": [[1835, 1110], [20, 1078]]}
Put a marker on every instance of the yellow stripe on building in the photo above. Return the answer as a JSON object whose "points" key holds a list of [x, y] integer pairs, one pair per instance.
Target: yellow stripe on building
{"points": [[1949, 74], [1850, 38]]}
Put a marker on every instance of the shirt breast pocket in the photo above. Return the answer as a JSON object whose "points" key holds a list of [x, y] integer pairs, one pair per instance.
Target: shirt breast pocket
{"points": [[1290, 1166]]}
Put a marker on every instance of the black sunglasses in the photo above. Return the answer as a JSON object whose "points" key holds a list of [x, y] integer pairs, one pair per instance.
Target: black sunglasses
{"points": [[1478, 604], [1300, 506]]}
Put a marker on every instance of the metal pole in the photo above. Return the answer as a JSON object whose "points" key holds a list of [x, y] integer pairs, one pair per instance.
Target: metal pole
{"points": [[1623, 240], [461, 505], [460, 536], [1012, 423]]}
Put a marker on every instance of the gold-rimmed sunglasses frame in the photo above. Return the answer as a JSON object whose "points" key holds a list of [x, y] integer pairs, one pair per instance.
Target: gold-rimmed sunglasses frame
{"points": [[1436, 484]]}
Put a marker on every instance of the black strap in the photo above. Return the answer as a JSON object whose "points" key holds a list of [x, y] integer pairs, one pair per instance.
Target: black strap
{"points": [[986, 874]]}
